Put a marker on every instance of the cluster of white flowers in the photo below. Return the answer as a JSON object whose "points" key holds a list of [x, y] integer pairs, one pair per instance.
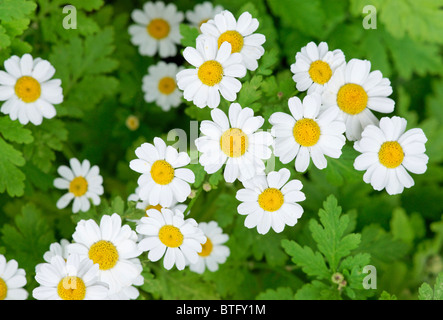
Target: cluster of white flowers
{"points": [[102, 261], [352, 91], [157, 31]]}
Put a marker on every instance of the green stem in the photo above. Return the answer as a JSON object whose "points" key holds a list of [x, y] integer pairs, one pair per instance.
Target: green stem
{"points": [[197, 193]]}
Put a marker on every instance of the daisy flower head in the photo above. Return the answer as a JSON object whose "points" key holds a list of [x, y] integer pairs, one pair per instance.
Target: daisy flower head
{"points": [[12, 280], [270, 201], [82, 181], [388, 152], [169, 234], [354, 90], [239, 33], [145, 205], [75, 278], [129, 292], [202, 12], [163, 179], [215, 72], [314, 66], [28, 90], [307, 133], [160, 87], [234, 140], [56, 249], [214, 252], [156, 29], [111, 245]]}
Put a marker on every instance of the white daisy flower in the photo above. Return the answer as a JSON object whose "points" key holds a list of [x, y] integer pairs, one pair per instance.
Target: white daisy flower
{"points": [[271, 201], [146, 205], [82, 181], [234, 141], [239, 33], [75, 278], [168, 234], [388, 153], [215, 73], [162, 179], [12, 280], [307, 133], [214, 252], [355, 90], [314, 66], [202, 12], [56, 249], [157, 29], [28, 90], [112, 246], [129, 292], [160, 87]]}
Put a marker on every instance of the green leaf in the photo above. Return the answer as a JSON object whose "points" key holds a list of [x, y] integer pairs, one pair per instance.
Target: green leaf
{"points": [[313, 264], [330, 236], [340, 170], [84, 67], [11, 10], [49, 137], [179, 285], [317, 290], [425, 292], [14, 131], [28, 238], [381, 244], [249, 95], [387, 296], [401, 226], [311, 22], [420, 20], [11, 178], [189, 35], [283, 293]]}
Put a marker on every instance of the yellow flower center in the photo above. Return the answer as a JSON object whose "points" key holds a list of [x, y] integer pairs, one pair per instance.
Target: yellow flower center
{"points": [[170, 236], [234, 142], [210, 73], [27, 89], [306, 132], [162, 172], [234, 38], [271, 199], [166, 85], [391, 154], [149, 207], [78, 186], [320, 72], [104, 253], [206, 248], [352, 98], [71, 288], [3, 289], [158, 28], [132, 122]]}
